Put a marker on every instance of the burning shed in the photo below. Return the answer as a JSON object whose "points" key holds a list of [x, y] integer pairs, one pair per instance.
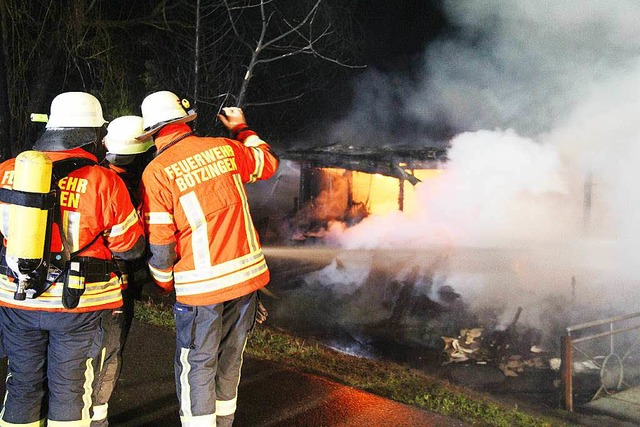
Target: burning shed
{"points": [[413, 286], [346, 183]]}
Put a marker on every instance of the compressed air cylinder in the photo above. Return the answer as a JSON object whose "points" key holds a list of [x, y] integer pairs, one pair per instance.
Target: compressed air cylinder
{"points": [[28, 226]]}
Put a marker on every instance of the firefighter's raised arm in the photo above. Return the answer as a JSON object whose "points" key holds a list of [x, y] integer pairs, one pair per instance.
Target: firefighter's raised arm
{"points": [[232, 117]]}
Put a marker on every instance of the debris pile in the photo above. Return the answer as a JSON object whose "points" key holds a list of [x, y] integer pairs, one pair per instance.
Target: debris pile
{"points": [[466, 346], [507, 349]]}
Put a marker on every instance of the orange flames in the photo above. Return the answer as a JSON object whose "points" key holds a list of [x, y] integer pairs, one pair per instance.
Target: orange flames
{"points": [[379, 194]]}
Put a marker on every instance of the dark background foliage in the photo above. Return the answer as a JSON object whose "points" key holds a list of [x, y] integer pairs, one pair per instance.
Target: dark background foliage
{"points": [[301, 55]]}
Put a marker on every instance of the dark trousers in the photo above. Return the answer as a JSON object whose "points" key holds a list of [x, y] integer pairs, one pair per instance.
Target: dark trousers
{"points": [[210, 343], [52, 366], [116, 325]]}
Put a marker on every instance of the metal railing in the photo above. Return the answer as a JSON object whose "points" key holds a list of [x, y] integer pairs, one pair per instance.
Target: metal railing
{"points": [[586, 339]]}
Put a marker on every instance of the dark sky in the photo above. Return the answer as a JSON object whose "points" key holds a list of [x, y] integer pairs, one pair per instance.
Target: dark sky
{"points": [[394, 37], [398, 30]]}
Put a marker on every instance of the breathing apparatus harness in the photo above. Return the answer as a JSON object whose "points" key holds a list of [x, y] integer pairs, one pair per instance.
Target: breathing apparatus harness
{"points": [[65, 266]]}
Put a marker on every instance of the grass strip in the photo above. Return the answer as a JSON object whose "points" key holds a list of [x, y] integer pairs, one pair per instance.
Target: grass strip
{"points": [[387, 379]]}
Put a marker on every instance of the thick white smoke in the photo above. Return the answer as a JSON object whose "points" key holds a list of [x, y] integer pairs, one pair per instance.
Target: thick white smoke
{"points": [[543, 95], [498, 189]]}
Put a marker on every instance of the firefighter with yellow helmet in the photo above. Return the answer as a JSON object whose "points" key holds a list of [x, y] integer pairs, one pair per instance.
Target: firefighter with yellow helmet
{"points": [[205, 247], [127, 156], [57, 286]]}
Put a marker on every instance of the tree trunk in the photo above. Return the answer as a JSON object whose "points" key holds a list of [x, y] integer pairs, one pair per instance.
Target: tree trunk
{"points": [[196, 60], [39, 96], [5, 109]]}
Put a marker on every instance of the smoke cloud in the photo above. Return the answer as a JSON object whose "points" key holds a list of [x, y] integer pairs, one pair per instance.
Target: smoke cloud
{"points": [[544, 101], [543, 96], [506, 65]]}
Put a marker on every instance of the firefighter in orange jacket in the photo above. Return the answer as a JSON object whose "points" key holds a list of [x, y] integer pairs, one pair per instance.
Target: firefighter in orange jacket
{"points": [[127, 157], [205, 247], [53, 337]]}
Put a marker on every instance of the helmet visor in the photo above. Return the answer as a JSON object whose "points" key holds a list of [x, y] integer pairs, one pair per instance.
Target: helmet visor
{"points": [[59, 139]]}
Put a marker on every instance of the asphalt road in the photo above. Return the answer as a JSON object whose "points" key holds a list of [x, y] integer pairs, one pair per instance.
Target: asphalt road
{"points": [[270, 394]]}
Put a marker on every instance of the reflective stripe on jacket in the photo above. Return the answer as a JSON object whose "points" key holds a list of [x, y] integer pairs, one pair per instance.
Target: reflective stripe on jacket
{"points": [[93, 201], [202, 238]]}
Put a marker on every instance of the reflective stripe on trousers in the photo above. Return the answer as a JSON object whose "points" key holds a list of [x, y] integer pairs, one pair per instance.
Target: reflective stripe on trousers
{"points": [[208, 366]]}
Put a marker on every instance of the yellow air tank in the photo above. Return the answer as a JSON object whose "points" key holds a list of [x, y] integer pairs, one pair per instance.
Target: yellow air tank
{"points": [[28, 225]]}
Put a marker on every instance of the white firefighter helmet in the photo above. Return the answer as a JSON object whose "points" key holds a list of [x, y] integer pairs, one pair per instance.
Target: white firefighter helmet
{"points": [[162, 108], [75, 110], [121, 136], [75, 120]]}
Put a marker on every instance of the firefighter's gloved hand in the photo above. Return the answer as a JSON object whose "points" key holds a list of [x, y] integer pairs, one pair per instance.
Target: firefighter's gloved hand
{"points": [[138, 276], [232, 117], [165, 292], [261, 313]]}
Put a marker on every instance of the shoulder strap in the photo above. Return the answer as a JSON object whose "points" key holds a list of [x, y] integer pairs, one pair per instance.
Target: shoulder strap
{"points": [[61, 169], [64, 167]]}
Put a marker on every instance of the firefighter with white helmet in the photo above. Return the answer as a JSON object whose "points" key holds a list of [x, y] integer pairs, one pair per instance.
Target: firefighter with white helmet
{"points": [[126, 156], [205, 247], [52, 324], [162, 108], [121, 141]]}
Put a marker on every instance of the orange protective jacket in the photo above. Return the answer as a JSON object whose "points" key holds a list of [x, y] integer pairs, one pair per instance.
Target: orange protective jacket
{"points": [[202, 239], [93, 201], [133, 185]]}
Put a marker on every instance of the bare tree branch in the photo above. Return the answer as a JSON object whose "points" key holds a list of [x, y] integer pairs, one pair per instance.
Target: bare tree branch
{"points": [[301, 35]]}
